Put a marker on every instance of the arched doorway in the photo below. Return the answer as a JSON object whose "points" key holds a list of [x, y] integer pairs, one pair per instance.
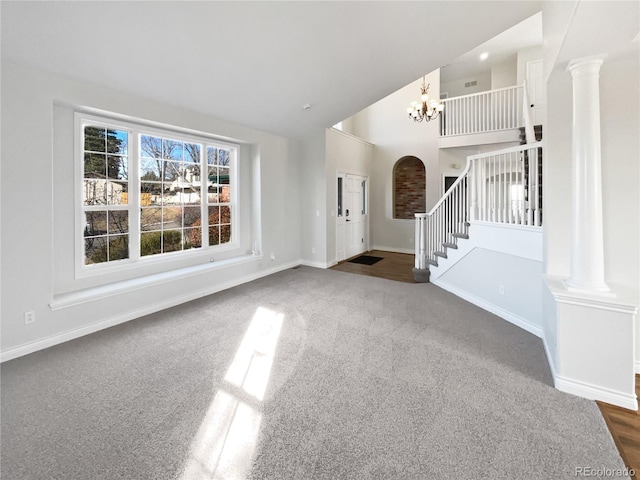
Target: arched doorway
{"points": [[409, 187]]}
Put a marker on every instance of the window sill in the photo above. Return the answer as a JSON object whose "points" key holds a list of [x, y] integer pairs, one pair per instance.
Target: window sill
{"points": [[104, 291]]}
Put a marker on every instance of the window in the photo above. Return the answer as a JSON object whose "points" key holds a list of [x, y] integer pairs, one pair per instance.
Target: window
{"points": [[149, 193], [340, 196]]}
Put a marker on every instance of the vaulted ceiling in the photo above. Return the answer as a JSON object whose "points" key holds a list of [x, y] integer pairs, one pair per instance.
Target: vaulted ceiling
{"points": [[253, 63]]}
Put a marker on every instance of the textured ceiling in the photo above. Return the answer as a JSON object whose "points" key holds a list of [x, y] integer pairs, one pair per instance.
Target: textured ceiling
{"points": [[253, 63]]}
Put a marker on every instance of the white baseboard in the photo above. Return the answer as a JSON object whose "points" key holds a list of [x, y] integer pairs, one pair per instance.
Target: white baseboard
{"points": [[495, 309], [118, 319], [594, 392], [410, 251], [314, 264]]}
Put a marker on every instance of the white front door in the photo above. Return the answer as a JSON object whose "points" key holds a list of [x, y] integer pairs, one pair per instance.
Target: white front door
{"points": [[341, 225], [535, 91], [355, 215], [352, 226]]}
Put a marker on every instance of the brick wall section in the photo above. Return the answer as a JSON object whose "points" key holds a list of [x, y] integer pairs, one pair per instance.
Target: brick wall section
{"points": [[409, 184]]}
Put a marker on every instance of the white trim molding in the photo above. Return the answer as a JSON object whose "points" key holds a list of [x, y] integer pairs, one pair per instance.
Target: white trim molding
{"points": [[104, 291], [351, 136], [382, 248], [118, 319], [595, 392], [596, 344], [315, 264]]}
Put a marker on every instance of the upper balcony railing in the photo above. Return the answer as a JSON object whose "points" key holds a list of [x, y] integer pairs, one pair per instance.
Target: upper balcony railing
{"points": [[490, 111]]}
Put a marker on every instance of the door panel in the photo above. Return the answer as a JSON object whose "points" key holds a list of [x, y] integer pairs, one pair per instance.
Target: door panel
{"points": [[535, 91], [341, 231], [355, 217]]}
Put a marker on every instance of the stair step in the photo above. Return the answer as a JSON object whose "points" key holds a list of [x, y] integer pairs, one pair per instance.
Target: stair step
{"points": [[440, 254], [461, 235], [450, 245], [432, 262]]}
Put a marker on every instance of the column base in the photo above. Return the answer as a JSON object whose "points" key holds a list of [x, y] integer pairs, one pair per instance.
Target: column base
{"points": [[594, 337], [421, 275], [602, 290]]}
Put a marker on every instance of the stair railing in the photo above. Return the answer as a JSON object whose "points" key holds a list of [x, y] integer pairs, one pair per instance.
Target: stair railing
{"points": [[444, 224], [489, 111], [502, 186], [506, 185]]}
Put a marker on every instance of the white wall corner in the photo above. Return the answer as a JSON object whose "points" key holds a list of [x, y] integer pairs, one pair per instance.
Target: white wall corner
{"points": [[316, 264], [550, 358]]}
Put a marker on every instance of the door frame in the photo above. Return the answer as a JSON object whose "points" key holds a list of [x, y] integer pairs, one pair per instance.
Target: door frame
{"points": [[340, 220], [528, 66]]}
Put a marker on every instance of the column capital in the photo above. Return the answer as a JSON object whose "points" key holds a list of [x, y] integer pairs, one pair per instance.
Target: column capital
{"points": [[585, 65]]}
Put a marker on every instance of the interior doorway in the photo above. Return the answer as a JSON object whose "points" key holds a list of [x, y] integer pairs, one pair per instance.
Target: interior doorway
{"points": [[352, 219], [535, 91]]}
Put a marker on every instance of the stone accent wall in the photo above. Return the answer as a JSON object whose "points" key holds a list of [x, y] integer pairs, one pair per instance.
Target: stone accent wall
{"points": [[409, 188]]}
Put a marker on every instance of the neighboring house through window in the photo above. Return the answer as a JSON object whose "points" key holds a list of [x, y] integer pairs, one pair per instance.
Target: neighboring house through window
{"points": [[149, 192]]}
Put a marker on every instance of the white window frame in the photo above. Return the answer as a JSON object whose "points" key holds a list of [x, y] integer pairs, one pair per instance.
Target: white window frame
{"points": [[136, 128]]}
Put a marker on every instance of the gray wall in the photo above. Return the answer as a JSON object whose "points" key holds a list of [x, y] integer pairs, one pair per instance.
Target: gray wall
{"points": [[38, 210]]}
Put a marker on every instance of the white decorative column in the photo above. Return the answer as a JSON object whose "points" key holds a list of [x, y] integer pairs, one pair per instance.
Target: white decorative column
{"points": [[587, 247], [594, 328]]}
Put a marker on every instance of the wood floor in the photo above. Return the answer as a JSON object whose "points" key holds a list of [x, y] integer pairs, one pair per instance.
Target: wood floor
{"points": [[623, 424], [393, 266]]}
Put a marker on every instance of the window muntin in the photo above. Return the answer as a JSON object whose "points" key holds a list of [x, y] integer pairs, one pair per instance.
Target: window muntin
{"points": [[105, 188], [142, 193], [170, 200], [218, 195]]}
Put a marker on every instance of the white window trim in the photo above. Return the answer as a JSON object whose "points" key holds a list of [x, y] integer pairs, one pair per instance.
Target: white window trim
{"points": [[136, 127]]}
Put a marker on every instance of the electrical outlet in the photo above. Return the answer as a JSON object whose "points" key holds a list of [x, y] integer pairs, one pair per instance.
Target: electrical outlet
{"points": [[29, 317], [501, 289], [273, 256]]}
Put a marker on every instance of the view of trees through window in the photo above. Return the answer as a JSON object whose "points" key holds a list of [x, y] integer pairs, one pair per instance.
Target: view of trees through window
{"points": [[105, 194], [169, 196]]}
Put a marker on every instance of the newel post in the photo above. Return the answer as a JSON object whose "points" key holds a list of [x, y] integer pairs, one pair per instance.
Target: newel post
{"points": [[473, 214], [421, 271]]}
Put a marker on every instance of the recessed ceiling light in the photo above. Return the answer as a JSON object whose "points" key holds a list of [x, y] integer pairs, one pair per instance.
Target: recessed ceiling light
{"points": [[484, 56]]}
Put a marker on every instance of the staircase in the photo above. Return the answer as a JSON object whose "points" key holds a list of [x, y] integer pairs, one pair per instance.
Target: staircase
{"points": [[494, 188], [500, 187]]}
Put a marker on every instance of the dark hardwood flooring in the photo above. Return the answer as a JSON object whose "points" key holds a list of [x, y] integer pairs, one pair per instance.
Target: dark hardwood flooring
{"points": [[393, 266], [623, 424]]}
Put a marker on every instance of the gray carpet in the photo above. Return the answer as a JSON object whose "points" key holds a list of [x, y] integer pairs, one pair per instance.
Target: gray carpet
{"points": [[367, 378]]}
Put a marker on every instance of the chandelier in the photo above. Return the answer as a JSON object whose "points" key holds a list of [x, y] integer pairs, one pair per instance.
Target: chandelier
{"points": [[425, 109]]}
